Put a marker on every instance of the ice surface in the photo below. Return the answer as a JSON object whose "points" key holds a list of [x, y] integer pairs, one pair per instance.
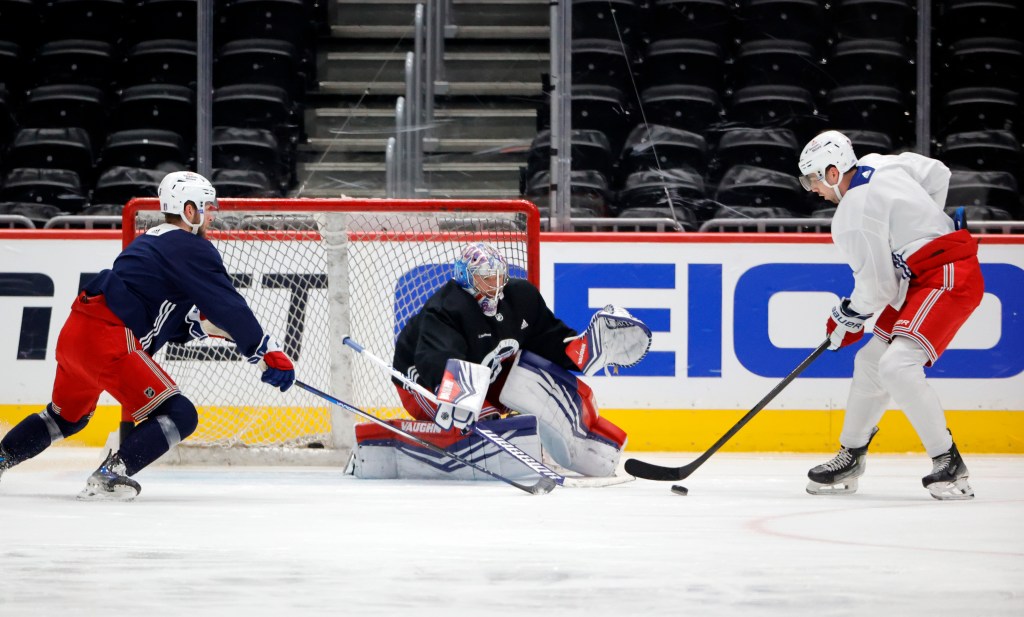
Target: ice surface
{"points": [[747, 540]]}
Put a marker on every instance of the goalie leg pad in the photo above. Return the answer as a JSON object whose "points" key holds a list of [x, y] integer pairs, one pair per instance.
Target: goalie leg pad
{"points": [[571, 429], [383, 454]]}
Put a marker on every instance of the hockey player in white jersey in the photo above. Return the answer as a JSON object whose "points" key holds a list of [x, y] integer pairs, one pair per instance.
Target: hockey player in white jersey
{"points": [[923, 280]]}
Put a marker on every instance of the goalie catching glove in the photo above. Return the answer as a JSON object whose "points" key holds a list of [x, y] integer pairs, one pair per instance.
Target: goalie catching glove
{"points": [[277, 367], [614, 338]]}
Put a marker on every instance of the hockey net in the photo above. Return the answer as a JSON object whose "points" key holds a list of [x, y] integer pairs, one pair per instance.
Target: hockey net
{"points": [[314, 270]]}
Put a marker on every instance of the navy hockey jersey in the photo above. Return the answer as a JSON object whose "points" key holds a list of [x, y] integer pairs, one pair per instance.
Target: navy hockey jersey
{"points": [[157, 279], [452, 325]]}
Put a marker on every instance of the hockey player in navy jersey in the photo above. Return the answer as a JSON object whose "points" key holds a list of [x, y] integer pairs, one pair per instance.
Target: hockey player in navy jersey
{"points": [[484, 317], [166, 286]]}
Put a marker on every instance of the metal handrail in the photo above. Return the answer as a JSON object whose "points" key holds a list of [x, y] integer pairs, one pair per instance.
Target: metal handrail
{"points": [[16, 221], [84, 221], [390, 188]]}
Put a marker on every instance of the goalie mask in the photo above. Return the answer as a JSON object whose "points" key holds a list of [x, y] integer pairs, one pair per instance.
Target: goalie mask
{"points": [[182, 187], [482, 271]]}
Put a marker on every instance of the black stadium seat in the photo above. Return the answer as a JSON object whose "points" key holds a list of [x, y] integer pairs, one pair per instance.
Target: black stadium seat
{"points": [[163, 19], [802, 20], [984, 151], [662, 147], [589, 191], [692, 108], [260, 61], [601, 61], [960, 19], [876, 19], [250, 149], [865, 141], [711, 20], [242, 183], [789, 107], [985, 62], [60, 188], [606, 19], [681, 187], [686, 217], [54, 148], [998, 189], [118, 185], [66, 105], [779, 62], [694, 62], [288, 20], [145, 148], [162, 61], [20, 21], [978, 109], [12, 64], [101, 20], [746, 185], [7, 120], [590, 149], [876, 108], [75, 61], [770, 148], [157, 106], [874, 62]]}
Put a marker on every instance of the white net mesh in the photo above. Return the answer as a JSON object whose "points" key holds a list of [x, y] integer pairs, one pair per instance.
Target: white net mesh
{"points": [[313, 271]]}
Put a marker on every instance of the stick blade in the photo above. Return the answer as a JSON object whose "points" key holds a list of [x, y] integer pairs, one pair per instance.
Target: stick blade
{"points": [[650, 471], [542, 487]]}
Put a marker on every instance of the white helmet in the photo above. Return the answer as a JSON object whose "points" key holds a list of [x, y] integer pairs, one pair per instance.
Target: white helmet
{"points": [[828, 149], [180, 187]]}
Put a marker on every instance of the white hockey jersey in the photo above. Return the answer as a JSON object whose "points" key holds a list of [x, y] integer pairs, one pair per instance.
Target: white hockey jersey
{"points": [[893, 206]]}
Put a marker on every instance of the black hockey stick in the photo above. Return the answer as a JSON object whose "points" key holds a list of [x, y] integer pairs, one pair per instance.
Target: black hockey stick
{"points": [[649, 471], [544, 485]]}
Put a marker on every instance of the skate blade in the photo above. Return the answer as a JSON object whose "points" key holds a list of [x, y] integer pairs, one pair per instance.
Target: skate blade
{"points": [[846, 487], [951, 491], [119, 493]]}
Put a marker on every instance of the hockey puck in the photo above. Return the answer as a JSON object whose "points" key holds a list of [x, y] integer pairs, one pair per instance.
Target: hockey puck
{"points": [[679, 489]]}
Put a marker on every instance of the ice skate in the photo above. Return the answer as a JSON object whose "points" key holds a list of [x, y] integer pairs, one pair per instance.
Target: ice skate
{"points": [[110, 482], [948, 479], [839, 475]]}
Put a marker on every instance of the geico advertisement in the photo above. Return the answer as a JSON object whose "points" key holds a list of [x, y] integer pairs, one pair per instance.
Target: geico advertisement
{"points": [[730, 319]]}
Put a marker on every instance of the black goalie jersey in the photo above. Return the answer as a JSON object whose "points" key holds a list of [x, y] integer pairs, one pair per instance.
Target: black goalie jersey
{"points": [[452, 325]]}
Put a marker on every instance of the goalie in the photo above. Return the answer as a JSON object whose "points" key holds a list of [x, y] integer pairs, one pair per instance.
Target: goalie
{"points": [[484, 317]]}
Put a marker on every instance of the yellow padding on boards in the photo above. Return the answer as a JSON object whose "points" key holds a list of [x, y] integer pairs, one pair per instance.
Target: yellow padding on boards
{"points": [[694, 430]]}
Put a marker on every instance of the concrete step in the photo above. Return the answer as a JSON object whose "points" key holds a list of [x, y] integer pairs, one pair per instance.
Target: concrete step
{"points": [[354, 66], [436, 193], [505, 122], [464, 12]]}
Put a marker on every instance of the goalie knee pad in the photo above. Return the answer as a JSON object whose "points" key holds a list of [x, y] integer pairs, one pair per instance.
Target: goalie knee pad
{"points": [[570, 427]]}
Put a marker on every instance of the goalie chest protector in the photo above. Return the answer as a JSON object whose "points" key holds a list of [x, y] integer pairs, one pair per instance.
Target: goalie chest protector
{"points": [[382, 454]]}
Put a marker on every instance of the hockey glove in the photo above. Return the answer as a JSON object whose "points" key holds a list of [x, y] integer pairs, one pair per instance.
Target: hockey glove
{"points": [[614, 339], [202, 328], [845, 326], [461, 394], [277, 367]]}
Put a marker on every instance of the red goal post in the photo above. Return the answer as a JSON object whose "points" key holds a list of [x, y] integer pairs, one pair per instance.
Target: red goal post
{"points": [[314, 270]]}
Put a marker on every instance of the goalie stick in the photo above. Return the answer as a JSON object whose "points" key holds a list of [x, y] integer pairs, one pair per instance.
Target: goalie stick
{"points": [[649, 471], [543, 486], [510, 448]]}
